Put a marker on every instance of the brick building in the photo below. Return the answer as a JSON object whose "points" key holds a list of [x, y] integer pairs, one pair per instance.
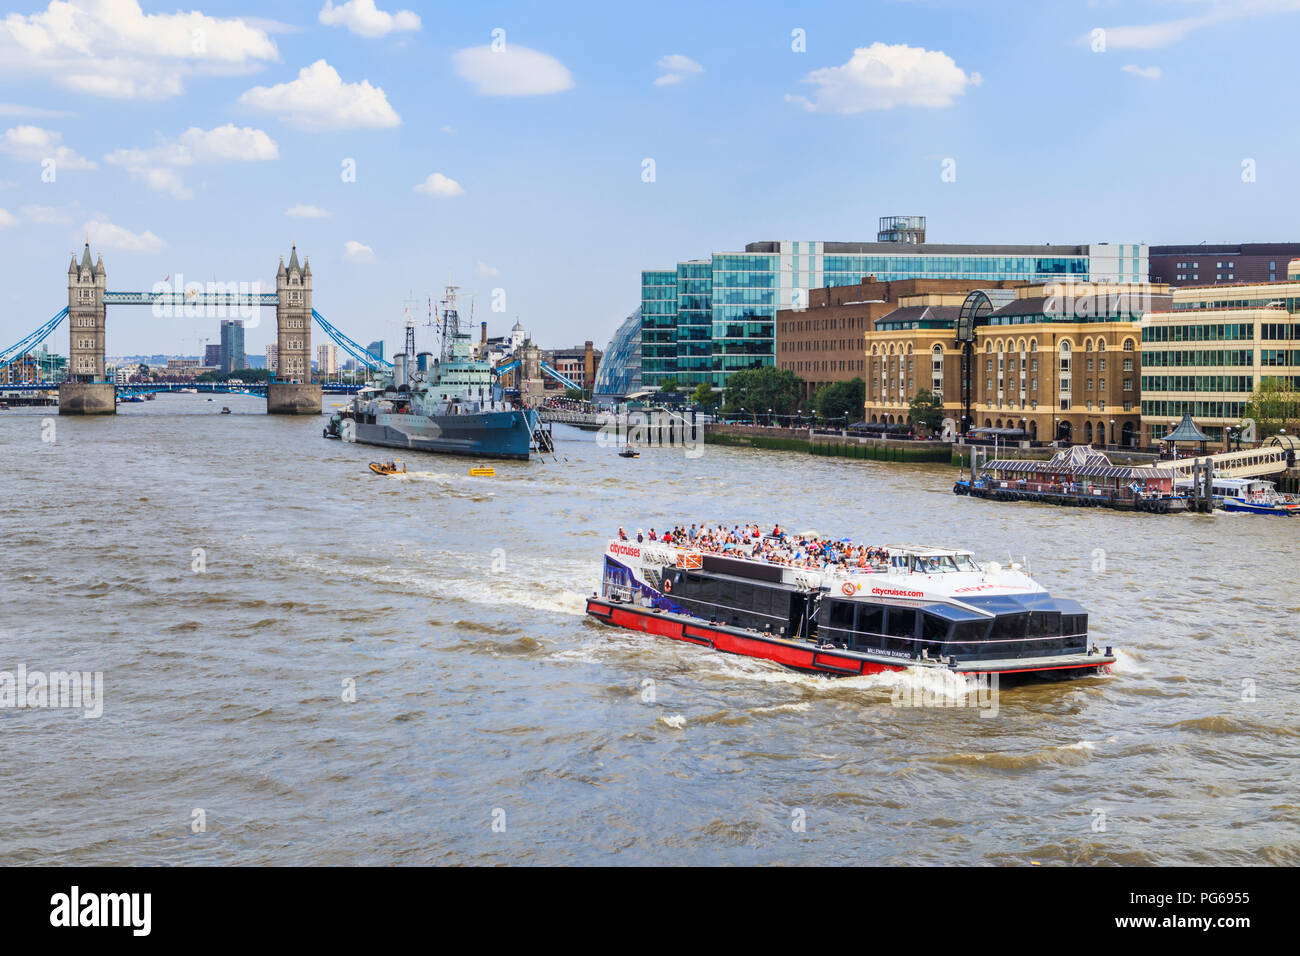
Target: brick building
{"points": [[823, 343]]}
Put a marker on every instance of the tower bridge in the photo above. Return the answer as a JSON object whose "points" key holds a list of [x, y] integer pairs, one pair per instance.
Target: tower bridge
{"points": [[87, 390]]}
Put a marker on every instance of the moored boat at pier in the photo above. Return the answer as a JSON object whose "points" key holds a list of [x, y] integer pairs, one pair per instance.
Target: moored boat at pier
{"points": [[1079, 476]]}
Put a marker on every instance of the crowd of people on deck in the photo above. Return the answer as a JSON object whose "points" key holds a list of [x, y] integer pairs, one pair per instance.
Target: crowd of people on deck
{"points": [[776, 547]]}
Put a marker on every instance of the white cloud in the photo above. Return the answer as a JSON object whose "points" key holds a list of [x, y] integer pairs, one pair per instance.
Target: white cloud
{"points": [[33, 144], [108, 236], [485, 270], [363, 18], [304, 211], [156, 166], [884, 76], [513, 71], [1153, 36], [7, 219], [439, 186], [46, 214], [354, 251], [448, 129], [319, 100], [112, 48], [229, 144], [1146, 72], [677, 66], [15, 109]]}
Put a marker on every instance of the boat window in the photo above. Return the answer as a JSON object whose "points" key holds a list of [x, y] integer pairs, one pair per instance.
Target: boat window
{"points": [[934, 631], [901, 622], [1045, 624], [871, 619], [1009, 630], [841, 618], [968, 637], [1075, 624]]}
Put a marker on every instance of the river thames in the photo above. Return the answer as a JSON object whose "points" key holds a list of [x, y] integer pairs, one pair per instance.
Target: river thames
{"points": [[238, 580]]}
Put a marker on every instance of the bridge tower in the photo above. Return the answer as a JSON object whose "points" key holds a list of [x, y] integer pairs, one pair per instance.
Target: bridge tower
{"points": [[85, 391], [292, 392]]}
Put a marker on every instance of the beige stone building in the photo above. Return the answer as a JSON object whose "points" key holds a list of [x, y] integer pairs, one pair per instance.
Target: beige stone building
{"points": [[1058, 361]]}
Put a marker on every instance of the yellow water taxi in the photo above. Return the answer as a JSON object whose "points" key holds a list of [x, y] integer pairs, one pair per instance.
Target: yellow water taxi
{"points": [[388, 468]]}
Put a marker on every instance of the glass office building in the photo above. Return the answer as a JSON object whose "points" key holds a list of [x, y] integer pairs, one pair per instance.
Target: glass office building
{"points": [[232, 345], [740, 292], [619, 373], [1207, 354], [658, 325]]}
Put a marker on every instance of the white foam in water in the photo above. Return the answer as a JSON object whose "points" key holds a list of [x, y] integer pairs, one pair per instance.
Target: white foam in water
{"points": [[675, 721], [542, 590], [798, 708], [1126, 663], [932, 681]]}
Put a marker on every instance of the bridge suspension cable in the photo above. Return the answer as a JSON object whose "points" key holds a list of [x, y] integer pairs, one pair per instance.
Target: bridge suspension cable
{"points": [[357, 352], [19, 349], [566, 382]]}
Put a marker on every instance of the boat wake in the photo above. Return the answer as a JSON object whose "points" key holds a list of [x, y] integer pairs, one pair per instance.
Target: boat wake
{"points": [[552, 587]]}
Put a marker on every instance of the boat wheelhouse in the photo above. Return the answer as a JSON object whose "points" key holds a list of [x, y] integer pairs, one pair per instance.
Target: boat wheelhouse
{"points": [[1250, 495], [1080, 476], [917, 607]]}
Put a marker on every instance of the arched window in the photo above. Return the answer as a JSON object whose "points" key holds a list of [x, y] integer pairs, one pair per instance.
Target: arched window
{"points": [[1128, 345], [1087, 345], [1101, 345]]}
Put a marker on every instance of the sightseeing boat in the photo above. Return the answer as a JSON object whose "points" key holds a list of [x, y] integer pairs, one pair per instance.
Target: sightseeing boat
{"points": [[909, 607]]}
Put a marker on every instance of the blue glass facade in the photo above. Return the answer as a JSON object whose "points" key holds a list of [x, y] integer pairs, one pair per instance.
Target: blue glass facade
{"points": [[658, 326], [724, 314], [619, 372]]}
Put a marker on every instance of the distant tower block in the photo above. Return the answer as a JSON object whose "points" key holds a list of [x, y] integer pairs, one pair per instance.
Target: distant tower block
{"points": [[85, 391], [292, 392]]}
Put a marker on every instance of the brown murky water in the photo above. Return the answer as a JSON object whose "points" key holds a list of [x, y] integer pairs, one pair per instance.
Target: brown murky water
{"points": [[483, 695]]}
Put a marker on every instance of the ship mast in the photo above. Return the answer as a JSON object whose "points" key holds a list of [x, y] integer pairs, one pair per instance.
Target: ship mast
{"points": [[450, 320]]}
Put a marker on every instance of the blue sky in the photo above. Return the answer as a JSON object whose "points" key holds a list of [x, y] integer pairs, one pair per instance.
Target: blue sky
{"points": [[183, 141]]}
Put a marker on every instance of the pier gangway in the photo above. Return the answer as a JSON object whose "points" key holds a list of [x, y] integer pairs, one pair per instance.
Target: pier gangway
{"points": [[1270, 458]]}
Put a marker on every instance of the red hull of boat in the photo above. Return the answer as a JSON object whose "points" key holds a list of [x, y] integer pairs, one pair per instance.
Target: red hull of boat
{"points": [[782, 652]]}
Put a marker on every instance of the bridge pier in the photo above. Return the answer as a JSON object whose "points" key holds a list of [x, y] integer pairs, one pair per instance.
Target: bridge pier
{"points": [[292, 399], [87, 398]]}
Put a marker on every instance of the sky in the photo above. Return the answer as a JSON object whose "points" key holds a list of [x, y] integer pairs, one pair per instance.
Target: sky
{"points": [[541, 155]]}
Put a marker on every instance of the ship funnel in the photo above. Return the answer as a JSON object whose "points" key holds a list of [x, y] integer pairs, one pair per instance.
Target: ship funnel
{"points": [[399, 370]]}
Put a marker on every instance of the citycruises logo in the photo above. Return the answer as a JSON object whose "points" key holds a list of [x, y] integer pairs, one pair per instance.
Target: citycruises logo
{"points": [[897, 592], [625, 549]]}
